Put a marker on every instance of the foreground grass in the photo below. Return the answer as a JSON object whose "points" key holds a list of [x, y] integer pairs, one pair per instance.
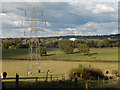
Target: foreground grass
{"points": [[62, 84], [54, 84], [55, 53]]}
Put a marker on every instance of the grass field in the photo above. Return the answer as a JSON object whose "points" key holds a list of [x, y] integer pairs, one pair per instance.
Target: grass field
{"points": [[12, 66], [56, 67], [54, 53]]}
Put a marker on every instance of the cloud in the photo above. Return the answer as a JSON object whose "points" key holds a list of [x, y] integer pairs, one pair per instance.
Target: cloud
{"points": [[93, 28], [62, 18], [2, 14], [102, 8]]}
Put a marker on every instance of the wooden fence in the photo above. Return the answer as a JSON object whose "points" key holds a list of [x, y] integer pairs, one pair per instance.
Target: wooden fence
{"points": [[45, 77], [88, 83]]}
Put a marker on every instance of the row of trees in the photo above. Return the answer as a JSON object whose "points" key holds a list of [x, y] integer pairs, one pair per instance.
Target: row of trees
{"points": [[54, 43], [92, 43], [96, 43], [14, 43]]}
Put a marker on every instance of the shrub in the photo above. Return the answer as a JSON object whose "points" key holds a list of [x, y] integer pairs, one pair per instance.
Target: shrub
{"points": [[18, 46], [114, 72], [72, 72], [87, 73], [83, 48], [68, 50], [12, 47], [76, 71], [93, 73], [42, 50], [66, 46]]}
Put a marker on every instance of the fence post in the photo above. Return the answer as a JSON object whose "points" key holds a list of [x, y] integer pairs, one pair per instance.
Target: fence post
{"points": [[98, 80], [103, 82], [76, 82], [36, 79], [109, 80], [47, 75], [51, 77], [17, 80], [89, 81], [81, 76], [64, 76], [86, 84]]}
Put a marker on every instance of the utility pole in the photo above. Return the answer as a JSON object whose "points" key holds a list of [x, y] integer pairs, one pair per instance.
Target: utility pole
{"points": [[34, 66]]}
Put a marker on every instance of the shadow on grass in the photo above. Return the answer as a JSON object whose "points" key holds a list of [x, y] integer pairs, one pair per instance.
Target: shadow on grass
{"points": [[7, 53], [49, 54], [90, 54]]}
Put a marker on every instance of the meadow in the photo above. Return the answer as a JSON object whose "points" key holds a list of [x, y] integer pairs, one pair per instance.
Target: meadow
{"points": [[55, 53], [56, 67], [12, 66]]}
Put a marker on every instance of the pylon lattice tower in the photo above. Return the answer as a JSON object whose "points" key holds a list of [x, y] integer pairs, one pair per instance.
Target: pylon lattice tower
{"points": [[34, 65]]}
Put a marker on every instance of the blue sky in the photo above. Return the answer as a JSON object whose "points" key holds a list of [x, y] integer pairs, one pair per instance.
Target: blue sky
{"points": [[63, 18]]}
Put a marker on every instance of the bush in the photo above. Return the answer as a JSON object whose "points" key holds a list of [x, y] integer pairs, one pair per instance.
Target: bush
{"points": [[114, 72], [72, 72], [12, 47], [68, 50], [18, 46], [41, 50], [83, 48], [76, 71], [92, 73], [87, 73], [66, 46]]}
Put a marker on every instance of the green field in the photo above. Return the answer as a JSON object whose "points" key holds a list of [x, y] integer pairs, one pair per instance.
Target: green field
{"points": [[58, 67], [54, 53], [12, 66]]}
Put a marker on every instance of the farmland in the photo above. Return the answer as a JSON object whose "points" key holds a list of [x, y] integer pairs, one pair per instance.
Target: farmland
{"points": [[102, 54], [13, 66], [56, 67]]}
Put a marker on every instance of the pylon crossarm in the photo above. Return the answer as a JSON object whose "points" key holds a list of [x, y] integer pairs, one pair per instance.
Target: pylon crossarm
{"points": [[33, 20]]}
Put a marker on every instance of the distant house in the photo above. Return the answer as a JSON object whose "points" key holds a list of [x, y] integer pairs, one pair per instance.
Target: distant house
{"points": [[72, 39]]}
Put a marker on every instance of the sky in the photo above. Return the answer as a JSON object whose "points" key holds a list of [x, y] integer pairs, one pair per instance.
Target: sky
{"points": [[62, 18]]}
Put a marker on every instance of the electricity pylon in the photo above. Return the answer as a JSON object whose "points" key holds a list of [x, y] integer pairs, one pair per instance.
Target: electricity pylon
{"points": [[34, 66]]}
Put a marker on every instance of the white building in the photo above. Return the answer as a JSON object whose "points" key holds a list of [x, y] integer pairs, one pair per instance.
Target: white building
{"points": [[72, 39]]}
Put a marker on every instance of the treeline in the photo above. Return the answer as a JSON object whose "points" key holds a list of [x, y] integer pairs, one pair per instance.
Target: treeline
{"points": [[55, 43], [14, 43], [112, 36]]}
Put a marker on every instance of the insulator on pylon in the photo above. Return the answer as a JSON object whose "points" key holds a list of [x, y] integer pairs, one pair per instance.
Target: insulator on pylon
{"points": [[22, 22], [24, 33], [45, 23], [41, 13], [25, 12]]}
